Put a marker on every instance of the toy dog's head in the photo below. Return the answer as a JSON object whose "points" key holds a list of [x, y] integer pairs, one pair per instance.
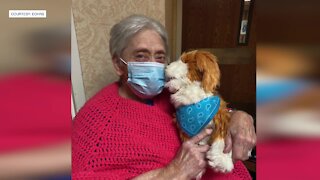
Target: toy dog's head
{"points": [[193, 77], [197, 65]]}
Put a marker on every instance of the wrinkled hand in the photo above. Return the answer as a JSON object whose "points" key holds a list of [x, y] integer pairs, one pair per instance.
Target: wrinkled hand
{"points": [[241, 136], [190, 159]]}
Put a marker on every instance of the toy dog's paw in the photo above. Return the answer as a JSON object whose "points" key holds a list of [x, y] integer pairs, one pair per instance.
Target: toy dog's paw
{"points": [[218, 160], [221, 166]]}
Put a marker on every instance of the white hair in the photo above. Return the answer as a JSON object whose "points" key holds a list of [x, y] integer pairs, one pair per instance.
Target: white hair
{"points": [[121, 32]]}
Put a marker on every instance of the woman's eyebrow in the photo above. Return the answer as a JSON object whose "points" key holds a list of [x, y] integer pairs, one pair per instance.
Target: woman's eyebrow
{"points": [[145, 50], [160, 52]]}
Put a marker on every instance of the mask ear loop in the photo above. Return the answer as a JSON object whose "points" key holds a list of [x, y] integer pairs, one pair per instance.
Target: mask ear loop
{"points": [[123, 61]]}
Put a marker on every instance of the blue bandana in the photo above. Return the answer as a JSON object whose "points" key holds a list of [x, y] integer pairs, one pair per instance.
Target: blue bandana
{"points": [[194, 117]]}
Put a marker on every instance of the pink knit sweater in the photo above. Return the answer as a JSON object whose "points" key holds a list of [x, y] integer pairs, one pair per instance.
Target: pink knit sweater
{"points": [[117, 138]]}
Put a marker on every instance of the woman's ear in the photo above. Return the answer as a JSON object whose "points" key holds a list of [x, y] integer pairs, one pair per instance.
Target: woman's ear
{"points": [[118, 65]]}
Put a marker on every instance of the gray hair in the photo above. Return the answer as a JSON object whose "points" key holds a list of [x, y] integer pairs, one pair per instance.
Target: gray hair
{"points": [[121, 32]]}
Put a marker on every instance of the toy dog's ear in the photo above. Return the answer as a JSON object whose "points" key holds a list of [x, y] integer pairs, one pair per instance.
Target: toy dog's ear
{"points": [[207, 64], [190, 58]]}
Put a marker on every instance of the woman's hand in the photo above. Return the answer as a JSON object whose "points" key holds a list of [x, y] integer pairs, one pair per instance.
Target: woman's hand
{"points": [[190, 159], [241, 136], [187, 164]]}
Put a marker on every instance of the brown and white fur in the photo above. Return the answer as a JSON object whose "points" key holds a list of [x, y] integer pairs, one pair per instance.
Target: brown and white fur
{"points": [[193, 77]]}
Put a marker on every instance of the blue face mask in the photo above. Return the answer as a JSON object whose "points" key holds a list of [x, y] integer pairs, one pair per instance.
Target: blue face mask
{"points": [[147, 78], [194, 117]]}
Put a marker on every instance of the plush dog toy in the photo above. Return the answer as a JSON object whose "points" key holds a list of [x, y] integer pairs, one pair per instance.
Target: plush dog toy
{"points": [[193, 80]]}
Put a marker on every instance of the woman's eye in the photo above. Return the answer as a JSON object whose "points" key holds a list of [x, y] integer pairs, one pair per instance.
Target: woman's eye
{"points": [[140, 57], [161, 58]]}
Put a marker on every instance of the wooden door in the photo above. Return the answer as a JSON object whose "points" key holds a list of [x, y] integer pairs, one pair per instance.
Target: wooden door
{"points": [[214, 25]]}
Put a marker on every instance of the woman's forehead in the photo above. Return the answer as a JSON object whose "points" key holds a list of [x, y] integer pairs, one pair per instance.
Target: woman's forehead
{"points": [[147, 40]]}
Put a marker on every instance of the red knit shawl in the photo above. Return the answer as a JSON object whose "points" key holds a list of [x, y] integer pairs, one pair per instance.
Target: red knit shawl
{"points": [[117, 138]]}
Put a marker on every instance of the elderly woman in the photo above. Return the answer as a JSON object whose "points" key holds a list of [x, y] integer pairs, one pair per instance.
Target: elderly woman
{"points": [[126, 131]]}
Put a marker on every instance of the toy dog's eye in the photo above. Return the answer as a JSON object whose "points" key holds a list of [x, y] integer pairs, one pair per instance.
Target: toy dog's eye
{"points": [[169, 78]]}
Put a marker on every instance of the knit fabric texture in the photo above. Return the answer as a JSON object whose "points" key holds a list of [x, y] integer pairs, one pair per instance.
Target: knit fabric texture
{"points": [[118, 138]]}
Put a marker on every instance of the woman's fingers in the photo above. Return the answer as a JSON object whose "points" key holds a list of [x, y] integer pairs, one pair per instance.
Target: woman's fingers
{"points": [[191, 159], [203, 148], [243, 137], [197, 138]]}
